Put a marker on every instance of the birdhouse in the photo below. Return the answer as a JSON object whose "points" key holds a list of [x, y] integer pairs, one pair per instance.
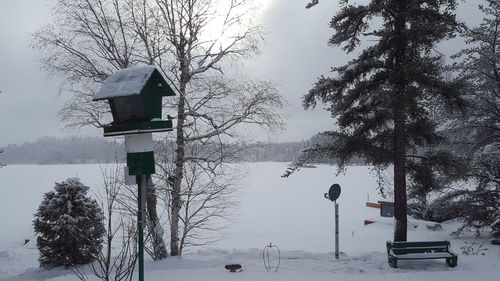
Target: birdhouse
{"points": [[135, 98]]}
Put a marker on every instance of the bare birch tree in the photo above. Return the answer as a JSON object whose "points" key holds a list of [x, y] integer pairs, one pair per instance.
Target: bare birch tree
{"points": [[208, 201], [204, 35], [210, 178], [192, 42], [86, 42]]}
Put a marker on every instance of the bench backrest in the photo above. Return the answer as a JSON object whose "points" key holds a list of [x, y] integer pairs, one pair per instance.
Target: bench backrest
{"points": [[418, 247]]}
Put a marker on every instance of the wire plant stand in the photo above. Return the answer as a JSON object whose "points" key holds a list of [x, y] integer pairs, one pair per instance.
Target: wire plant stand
{"points": [[266, 258]]}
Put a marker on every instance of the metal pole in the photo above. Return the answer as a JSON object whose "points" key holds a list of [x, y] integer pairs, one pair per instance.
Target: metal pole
{"points": [[336, 230], [140, 223]]}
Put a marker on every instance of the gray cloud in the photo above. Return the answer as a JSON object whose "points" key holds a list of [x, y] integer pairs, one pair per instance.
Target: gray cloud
{"points": [[29, 100], [294, 54]]}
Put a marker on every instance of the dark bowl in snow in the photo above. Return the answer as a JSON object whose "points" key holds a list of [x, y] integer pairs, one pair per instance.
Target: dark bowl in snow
{"points": [[232, 267]]}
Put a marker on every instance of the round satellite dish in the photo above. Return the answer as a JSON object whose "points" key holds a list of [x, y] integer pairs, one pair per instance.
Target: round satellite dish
{"points": [[334, 192]]}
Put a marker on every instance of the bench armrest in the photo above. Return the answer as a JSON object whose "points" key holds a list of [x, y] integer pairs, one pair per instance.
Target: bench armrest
{"points": [[391, 253]]}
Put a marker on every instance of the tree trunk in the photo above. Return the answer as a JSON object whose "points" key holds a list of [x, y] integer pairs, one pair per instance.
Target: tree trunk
{"points": [[400, 229], [155, 228], [176, 186], [400, 207], [179, 163]]}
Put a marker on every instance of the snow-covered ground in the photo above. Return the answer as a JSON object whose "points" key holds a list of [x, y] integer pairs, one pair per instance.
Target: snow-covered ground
{"points": [[288, 212]]}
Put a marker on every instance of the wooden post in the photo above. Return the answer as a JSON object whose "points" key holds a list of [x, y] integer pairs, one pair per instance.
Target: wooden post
{"points": [[336, 230]]}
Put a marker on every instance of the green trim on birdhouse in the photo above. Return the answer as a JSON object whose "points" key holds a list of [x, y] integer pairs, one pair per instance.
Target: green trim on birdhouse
{"points": [[152, 103], [141, 163], [157, 83], [137, 128], [152, 94]]}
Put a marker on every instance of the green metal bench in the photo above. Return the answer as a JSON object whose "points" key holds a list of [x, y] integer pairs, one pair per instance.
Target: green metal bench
{"points": [[420, 251]]}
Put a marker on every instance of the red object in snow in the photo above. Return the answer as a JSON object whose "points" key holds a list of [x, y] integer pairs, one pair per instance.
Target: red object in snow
{"points": [[367, 222]]}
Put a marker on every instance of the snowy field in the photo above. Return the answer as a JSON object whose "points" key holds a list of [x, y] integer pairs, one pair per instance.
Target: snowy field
{"points": [[291, 213]]}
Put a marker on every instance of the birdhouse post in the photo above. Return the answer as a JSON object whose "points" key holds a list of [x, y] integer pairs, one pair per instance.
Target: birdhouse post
{"points": [[135, 98]]}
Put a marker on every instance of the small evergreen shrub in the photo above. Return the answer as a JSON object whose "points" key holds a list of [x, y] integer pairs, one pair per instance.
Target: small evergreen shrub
{"points": [[69, 224]]}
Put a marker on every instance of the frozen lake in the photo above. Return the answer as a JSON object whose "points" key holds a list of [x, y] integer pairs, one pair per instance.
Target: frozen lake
{"points": [[289, 212]]}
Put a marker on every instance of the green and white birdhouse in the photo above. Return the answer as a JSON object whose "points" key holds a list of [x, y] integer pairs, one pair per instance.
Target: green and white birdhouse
{"points": [[135, 98]]}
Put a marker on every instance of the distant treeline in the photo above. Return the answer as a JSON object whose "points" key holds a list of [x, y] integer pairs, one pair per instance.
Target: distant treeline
{"points": [[69, 150], [86, 150]]}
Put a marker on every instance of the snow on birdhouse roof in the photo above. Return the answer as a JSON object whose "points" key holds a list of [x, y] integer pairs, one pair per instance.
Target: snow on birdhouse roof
{"points": [[125, 82]]}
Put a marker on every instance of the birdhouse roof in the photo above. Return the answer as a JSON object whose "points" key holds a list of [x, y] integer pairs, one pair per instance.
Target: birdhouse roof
{"points": [[126, 82]]}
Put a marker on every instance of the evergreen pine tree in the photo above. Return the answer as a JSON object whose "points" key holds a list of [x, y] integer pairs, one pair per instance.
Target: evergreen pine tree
{"points": [[481, 124], [69, 224], [381, 100], [476, 134], [495, 226]]}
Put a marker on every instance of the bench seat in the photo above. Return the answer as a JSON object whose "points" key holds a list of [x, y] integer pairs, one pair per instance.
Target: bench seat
{"points": [[424, 256], [420, 251]]}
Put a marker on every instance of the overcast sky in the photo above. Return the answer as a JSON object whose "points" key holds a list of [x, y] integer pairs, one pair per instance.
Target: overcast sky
{"points": [[294, 54]]}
